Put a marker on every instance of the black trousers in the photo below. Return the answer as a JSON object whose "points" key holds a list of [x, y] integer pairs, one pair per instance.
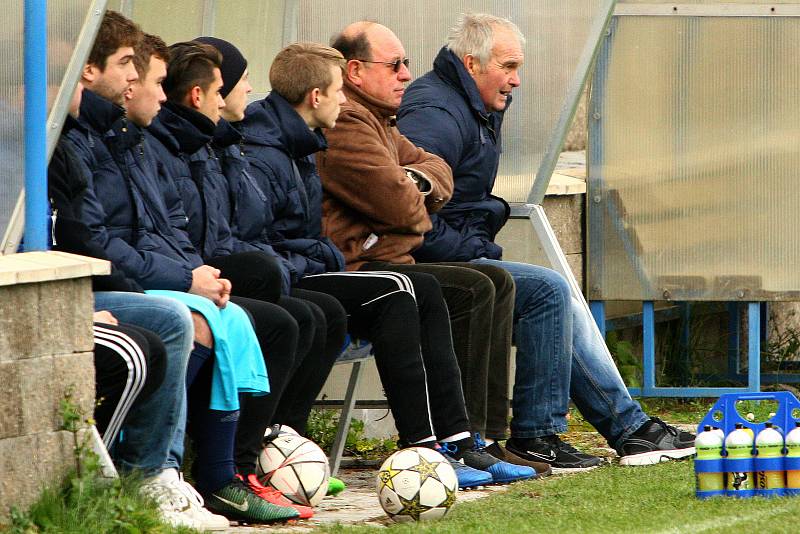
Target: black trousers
{"points": [[405, 318], [480, 299], [129, 367], [300, 339]]}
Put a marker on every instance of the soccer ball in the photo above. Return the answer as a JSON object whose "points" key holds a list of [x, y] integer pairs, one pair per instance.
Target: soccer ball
{"points": [[416, 484], [296, 467]]}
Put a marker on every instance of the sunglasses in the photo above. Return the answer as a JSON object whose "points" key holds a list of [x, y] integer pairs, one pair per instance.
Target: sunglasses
{"points": [[394, 64]]}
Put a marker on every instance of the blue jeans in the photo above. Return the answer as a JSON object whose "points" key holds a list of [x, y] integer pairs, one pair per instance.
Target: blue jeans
{"points": [[152, 438], [559, 357]]}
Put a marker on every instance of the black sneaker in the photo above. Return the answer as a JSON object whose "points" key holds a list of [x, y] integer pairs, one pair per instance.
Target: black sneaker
{"points": [[562, 456], [655, 442]]}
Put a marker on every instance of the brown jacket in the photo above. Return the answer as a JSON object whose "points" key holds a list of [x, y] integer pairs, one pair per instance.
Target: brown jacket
{"points": [[371, 210]]}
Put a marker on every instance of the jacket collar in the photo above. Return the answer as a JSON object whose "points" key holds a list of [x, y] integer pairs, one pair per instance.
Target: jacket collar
{"points": [[274, 122], [452, 70], [182, 129], [377, 107], [226, 135], [97, 113]]}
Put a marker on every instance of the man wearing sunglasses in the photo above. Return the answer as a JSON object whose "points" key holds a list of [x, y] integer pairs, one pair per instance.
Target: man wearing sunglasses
{"points": [[380, 190]]}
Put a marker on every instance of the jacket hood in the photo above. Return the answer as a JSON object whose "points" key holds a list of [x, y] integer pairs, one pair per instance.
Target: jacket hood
{"points": [[98, 113], [375, 106], [181, 129], [226, 135], [273, 122]]}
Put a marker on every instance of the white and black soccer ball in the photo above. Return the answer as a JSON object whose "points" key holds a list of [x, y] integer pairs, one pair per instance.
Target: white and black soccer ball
{"points": [[296, 467], [416, 484]]}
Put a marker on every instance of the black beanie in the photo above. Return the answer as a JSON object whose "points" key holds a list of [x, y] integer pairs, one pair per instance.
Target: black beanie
{"points": [[233, 62]]}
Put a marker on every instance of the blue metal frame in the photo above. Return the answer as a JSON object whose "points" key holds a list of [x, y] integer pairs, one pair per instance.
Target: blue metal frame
{"points": [[35, 125], [649, 387]]}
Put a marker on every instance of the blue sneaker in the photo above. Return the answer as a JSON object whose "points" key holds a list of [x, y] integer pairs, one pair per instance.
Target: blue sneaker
{"points": [[502, 472], [467, 476]]}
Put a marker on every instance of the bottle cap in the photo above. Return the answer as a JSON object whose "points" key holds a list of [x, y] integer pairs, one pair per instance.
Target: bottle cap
{"points": [[739, 425], [707, 428]]}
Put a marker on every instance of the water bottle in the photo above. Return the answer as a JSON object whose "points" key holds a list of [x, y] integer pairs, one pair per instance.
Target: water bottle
{"points": [[769, 462], [708, 466], [739, 462], [792, 461]]}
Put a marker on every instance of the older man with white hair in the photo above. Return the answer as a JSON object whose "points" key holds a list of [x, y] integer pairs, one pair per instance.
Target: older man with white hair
{"points": [[456, 111]]}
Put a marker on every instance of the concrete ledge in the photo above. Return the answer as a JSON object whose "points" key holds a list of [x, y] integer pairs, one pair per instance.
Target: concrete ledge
{"points": [[31, 267]]}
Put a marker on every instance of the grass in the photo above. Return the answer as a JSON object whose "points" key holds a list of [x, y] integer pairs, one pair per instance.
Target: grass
{"points": [[654, 499], [91, 505]]}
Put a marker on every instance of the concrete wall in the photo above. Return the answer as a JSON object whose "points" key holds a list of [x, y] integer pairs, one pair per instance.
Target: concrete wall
{"points": [[45, 349]]}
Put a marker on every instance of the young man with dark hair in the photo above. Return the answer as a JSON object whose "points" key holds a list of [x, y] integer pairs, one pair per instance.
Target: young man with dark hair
{"points": [[139, 236], [177, 144], [150, 432], [279, 203]]}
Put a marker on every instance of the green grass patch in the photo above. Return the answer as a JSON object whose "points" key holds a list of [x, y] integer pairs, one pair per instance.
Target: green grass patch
{"points": [[90, 504], [613, 499]]}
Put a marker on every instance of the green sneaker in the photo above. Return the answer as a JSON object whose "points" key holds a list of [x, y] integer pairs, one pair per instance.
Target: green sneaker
{"points": [[237, 501], [335, 486]]}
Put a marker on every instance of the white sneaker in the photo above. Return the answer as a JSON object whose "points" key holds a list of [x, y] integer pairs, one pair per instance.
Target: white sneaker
{"points": [[179, 504]]}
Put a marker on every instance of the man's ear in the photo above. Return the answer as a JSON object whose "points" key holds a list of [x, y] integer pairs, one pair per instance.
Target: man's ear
{"points": [[472, 65], [194, 98], [313, 98], [352, 72], [90, 72]]}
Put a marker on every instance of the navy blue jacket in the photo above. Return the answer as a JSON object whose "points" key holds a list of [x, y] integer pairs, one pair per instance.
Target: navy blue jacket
{"points": [[67, 180], [282, 204], [244, 202], [116, 208], [442, 112], [182, 150]]}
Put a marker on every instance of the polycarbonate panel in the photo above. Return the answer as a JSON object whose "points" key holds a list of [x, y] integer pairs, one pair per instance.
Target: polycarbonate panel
{"points": [[694, 160], [173, 20], [256, 27], [64, 21], [556, 32]]}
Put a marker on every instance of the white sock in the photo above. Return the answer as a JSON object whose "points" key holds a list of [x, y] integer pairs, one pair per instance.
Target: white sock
{"points": [[488, 441], [423, 440]]}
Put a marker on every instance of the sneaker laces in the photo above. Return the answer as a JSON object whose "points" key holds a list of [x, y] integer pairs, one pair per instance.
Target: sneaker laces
{"points": [[188, 491], [558, 444], [480, 445], [667, 428]]}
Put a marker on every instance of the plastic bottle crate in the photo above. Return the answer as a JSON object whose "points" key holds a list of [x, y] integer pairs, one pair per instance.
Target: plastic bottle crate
{"points": [[724, 415]]}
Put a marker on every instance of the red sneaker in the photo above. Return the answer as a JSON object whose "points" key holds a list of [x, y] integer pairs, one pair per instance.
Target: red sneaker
{"points": [[271, 495]]}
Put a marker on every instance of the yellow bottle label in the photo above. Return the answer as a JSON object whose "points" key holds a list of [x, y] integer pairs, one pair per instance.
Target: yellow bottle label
{"points": [[710, 481], [793, 479], [767, 480]]}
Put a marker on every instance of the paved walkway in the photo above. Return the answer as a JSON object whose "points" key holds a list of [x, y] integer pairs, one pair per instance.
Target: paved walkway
{"points": [[358, 504]]}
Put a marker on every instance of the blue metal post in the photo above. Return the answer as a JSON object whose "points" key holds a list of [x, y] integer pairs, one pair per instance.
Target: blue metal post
{"points": [[649, 347], [754, 346], [598, 309], [35, 125]]}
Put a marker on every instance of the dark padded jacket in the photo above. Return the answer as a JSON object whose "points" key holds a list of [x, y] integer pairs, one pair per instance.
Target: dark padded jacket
{"points": [[122, 223], [182, 150], [280, 202], [67, 180], [442, 112]]}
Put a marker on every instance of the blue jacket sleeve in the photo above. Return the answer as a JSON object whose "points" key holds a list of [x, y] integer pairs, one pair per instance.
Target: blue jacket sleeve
{"points": [[445, 243], [150, 269], [446, 140]]}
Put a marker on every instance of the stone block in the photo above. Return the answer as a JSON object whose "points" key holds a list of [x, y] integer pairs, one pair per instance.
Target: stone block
{"points": [[28, 464], [10, 407], [65, 315], [19, 320], [565, 213], [75, 372]]}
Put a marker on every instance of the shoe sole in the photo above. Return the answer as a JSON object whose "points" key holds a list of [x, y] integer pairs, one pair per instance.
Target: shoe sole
{"points": [[656, 457]]}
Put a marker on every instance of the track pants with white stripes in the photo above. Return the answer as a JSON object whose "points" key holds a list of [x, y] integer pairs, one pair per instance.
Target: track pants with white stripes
{"points": [[405, 318], [129, 366]]}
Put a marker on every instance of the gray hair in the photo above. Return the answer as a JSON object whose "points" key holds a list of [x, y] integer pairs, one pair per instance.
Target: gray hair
{"points": [[473, 34]]}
